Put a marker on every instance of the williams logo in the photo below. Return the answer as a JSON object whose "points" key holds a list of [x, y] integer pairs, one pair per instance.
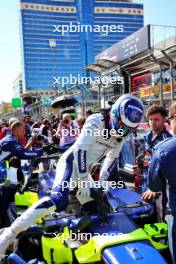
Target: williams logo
{"points": [[82, 161]]}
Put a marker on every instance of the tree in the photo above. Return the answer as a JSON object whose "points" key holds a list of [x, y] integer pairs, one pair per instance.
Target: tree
{"points": [[5, 108]]}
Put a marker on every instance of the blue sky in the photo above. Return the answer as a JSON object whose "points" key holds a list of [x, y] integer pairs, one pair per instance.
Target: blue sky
{"points": [[160, 12]]}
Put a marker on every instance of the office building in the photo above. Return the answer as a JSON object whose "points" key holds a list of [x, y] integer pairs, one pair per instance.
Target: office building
{"points": [[49, 53]]}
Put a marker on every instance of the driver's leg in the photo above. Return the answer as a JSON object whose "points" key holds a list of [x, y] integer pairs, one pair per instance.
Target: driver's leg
{"points": [[60, 189], [46, 205], [43, 207]]}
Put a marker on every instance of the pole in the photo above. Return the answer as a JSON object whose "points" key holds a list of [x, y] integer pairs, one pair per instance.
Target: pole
{"points": [[83, 106], [85, 98], [172, 82], [123, 85], [171, 63], [161, 85], [161, 78], [99, 99], [103, 97], [129, 81]]}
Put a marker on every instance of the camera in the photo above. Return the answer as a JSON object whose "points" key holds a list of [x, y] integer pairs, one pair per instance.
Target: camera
{"points": [[66, 122], [39, 137]]}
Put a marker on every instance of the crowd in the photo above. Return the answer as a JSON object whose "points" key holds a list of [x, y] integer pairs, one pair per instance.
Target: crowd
{"points": [[45, 131]]}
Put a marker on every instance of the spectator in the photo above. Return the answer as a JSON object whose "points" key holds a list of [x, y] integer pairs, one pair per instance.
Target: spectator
{"points": [[2, 131], [88, 113], [28, 130], [66, 131], [35, 125], [35, 142], [55, 122], [46, 130], [11, 120], [5, 126], [9, 124], [80, 122], [44, 127], [29, 120]]}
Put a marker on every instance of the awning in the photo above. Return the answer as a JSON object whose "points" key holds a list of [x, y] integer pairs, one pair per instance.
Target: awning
{"points": [[64, 101], [101, 65]]}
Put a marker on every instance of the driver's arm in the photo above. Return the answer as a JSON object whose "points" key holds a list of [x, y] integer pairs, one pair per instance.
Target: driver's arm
{"points": [[109, 161], [86, 140]]}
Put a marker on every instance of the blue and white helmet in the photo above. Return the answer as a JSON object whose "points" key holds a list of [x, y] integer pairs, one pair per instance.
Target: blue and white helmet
{"points": [[127, 112]]}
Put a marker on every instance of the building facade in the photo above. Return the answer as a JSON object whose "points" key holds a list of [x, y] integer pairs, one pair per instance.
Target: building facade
{"points": [[18, 86], [59, 38]]}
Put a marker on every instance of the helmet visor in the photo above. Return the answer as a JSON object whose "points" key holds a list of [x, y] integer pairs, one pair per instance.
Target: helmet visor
{"points": [[131, 113], [135, 116]]}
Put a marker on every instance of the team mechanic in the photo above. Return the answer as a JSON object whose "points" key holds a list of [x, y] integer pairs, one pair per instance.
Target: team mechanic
{"points": [[9, 177], [75, 163], [10, 145], [162, 178]]}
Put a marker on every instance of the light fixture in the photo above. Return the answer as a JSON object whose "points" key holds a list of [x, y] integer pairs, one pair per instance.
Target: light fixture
{"points": [[52, 43]]}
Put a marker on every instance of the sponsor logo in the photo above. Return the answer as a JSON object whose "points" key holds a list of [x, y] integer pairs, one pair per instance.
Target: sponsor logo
{"points": [[82, 161]]}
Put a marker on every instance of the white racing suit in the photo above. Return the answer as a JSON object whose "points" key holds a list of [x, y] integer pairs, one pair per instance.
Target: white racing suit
{"points": [[74, 165]]}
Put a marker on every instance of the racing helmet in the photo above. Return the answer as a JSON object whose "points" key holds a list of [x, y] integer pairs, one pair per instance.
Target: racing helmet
{"points": [[126, 113]]}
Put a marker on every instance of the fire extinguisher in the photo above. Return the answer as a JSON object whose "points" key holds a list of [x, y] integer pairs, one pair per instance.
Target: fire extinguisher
{"points": [[137, 177]]}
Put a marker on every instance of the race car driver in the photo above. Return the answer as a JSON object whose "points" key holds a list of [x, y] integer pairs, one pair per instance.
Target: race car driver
{"points": [[101, 136]]}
